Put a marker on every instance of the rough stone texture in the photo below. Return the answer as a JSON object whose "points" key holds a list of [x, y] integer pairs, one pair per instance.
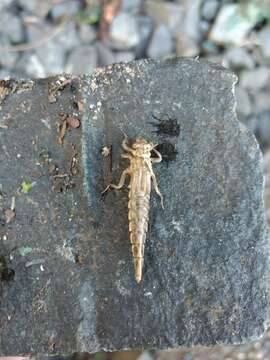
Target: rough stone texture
{"points": [[206, 272]]}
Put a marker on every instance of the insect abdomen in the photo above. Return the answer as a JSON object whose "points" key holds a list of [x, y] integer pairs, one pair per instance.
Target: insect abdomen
{"points": [[138, 214]]}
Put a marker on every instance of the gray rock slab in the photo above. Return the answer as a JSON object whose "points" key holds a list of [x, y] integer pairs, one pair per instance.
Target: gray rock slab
{"points": [[67, 278]]}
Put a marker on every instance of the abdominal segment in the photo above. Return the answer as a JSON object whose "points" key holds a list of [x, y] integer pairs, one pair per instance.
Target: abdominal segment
{"points": [[138, 215]]}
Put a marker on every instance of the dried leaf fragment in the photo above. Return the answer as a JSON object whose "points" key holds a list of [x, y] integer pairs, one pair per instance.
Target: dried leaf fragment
{"points": [[9, 215], [80, 105], [73, 122], [62, 131]]}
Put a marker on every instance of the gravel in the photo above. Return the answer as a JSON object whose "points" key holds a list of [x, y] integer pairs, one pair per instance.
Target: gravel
{"points": [[264, 41], [238, 58], [256, 79], [31, 65], [244, 106], [209, 9], [161, 43], [124, 32], [82, 60], [68, 8], [11, 27], [105, 55], [132, 6], [4, 3], [7, 59], [145, 29], [87, 33]]}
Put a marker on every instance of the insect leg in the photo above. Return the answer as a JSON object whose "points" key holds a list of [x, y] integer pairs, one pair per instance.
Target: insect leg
{"points": [[157, 189], [121, 181], [126, 156], [125, 144], [158, 159]]}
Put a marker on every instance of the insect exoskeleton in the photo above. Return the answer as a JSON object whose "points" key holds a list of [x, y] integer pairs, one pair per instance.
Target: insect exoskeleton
{"points": [[142, 177]]}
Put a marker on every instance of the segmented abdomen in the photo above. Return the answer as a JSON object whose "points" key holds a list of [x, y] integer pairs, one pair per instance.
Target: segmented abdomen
{"points": [[138, 215]]}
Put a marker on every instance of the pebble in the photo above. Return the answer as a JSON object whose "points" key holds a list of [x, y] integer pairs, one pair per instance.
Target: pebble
{"points": [[68, 39], [7, 58], [69, 8], [251, 122], [31, 65], [161, 43], [40, 8], [256, 79], [185, 46], [82, 60], [145, 356], [11, 27], [105, 55], [264, 41], [204, 26], [35, 31], [263, 128], [5, 3], [243, 103], [209, 9], [131, 6], [192, 20], [145, 27], [87, 33], [51, 63], [124, 32], [239, 58], [6, 74], [60, 45], [233, 23], [168, 13], [262, 101]]}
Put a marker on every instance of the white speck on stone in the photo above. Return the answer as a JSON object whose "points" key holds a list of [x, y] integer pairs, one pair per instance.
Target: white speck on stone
{"points": [[46, 122], [41, 268], [177, 226], [66, 251]]}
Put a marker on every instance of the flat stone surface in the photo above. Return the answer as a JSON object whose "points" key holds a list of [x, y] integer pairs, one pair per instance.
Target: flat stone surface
{"points": [[67, 278]]}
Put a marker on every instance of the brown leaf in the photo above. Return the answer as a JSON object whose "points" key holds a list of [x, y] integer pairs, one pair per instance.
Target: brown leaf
{"points": [[80, 105], [73, 122], [62, 132], [52, 97], [9, 215]]}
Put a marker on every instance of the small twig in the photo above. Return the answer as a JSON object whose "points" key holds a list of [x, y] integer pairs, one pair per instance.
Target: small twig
{"points": [[49, 35], [108, 10], [12, 206]]}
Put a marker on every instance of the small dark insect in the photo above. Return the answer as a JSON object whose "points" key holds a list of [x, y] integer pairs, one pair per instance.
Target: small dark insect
{"points": [[166, 125], [6, 274]]}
